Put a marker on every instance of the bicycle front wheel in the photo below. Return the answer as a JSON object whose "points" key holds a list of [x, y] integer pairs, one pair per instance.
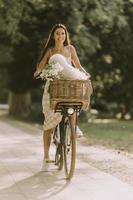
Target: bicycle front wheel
{"points": [[59, 149], [69, 148]]}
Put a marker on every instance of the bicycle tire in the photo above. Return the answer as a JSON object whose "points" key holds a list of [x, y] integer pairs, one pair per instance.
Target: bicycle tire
{"points": [[69, 148], [59, 150]]}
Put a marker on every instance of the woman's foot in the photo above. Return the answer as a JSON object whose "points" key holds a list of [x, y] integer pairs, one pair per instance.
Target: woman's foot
{"points": [[45, 165], [79, 133]]}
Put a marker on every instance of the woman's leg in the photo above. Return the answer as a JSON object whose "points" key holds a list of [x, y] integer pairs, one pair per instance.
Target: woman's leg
{"points": [[46, 143], [79, 133]]}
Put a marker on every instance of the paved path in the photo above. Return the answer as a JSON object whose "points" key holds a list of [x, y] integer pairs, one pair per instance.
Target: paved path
{"points": [[21, 179]]}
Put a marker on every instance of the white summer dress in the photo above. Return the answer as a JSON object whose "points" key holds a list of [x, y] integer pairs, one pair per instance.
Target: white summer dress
{"points": [[69, 72]]}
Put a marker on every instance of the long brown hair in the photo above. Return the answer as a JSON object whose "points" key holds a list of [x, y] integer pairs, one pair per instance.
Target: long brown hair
{"points": [[51, 42]]}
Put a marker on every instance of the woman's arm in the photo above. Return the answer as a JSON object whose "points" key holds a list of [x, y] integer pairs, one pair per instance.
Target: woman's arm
{"points": [[42, 64], [75, 59]]}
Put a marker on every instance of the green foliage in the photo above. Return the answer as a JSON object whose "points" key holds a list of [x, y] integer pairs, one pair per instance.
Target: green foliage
{"points": [[112, 64], [10, 15]]}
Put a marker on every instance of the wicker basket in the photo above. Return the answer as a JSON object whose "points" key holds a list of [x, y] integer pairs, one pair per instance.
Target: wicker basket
{"points": [[69, 91]]}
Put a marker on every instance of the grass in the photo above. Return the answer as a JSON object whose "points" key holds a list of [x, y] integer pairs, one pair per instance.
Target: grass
{"points": [[109, 133]]}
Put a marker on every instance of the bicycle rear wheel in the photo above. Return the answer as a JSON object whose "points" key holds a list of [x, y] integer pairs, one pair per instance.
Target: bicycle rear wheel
{"points": [[69, 148]]}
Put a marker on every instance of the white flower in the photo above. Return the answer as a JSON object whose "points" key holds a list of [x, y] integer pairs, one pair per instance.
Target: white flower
{"points": [[52, 70]]}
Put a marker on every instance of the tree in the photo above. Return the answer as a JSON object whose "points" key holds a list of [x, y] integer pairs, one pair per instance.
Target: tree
{"points": [[18, 26], [112, 64]]}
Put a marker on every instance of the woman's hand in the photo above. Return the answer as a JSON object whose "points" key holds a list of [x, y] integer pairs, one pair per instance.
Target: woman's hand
{"points": [[87, 74], [83, 70], [36, 73]]}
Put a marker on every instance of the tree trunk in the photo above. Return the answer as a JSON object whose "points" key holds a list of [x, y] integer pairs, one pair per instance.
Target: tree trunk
{"points": [[19, 104]]}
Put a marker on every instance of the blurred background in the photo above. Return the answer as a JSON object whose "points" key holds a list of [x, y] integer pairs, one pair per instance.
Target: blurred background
{"points": [[100, 30]]}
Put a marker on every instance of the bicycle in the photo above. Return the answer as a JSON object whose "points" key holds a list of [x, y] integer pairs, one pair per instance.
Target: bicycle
{"points": [[64, 136]]}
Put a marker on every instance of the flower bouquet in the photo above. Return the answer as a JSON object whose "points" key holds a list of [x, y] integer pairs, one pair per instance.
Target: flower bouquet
{"points": [[51, 71]]}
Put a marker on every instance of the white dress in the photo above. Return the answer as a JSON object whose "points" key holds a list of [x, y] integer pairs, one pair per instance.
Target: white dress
{"points": [[51, 118]]}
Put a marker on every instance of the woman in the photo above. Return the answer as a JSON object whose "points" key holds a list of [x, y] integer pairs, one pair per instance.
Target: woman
{"points": [[57, 48]]}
